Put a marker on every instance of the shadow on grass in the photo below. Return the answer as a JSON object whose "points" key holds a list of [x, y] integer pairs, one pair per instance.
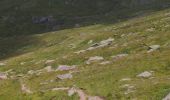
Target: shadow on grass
{"points": [[13, 46], [17, 29]]}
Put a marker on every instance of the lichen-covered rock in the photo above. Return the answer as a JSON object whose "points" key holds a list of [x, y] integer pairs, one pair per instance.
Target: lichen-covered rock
{"points": [[65, 67], [145, 74], [3, 76], [65, 76], [105, 62], [119, 56], [94, 59], [48, 69], [153, 48], [49, 62], [25, 89], [2, 64]]}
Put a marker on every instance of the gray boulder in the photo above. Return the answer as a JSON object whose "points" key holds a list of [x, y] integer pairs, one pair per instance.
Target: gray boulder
{"points": [[167, 97], [94, 59], [65, 76], [153, 48], [145, 74], [3, 76], [119, 56], [65, 67]]}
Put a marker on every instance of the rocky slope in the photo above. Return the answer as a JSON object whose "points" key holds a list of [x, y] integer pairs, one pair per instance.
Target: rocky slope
{"points": [[123, 56]]}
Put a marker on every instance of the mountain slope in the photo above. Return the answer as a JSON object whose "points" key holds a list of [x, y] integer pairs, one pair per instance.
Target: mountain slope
{"points": [[24, 17], [24, 58]]}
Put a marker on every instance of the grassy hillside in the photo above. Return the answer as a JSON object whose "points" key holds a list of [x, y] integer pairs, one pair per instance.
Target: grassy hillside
{"points": [[133, 27]]}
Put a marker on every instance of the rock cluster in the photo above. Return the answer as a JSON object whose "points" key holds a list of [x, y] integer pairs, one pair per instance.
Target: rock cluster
{"points": [[101, 44]]}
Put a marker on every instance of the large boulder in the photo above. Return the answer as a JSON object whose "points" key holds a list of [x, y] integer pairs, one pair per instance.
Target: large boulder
{"points": [[167, 97]]}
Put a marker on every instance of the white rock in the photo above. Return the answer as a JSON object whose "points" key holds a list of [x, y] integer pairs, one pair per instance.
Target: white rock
{"points": [[153, 48], [145, 74], [126, 79], [48, 69], [167, 97], [101, 44], [91, 41], [31, 72], [65, 76], [22, 63], [94, 98], [105, 62], [2, 64], [65, 67], [94, 59], [71, 91], [119, 56], [108, 41], [25, 89], [48, 62], [81, 51], [61, 88], [3, 76]]}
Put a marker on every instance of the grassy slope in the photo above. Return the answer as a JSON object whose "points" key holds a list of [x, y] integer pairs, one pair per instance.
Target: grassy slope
{"points": [[97, 79]]}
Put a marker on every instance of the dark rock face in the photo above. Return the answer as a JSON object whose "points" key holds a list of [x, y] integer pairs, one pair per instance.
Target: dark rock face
{"points": [[42, 20]]}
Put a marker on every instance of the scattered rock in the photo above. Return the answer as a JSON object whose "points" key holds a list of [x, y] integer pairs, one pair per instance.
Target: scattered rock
{"points": [[22, 63], [9, 71], [94, 98], [129, 88], [101, 44], [25, 89], [31, 72], [72, 46], [94, 59], [145, 74], [65, 67], [119, 56], [81, 51], [105, 62], [61, 88], [49, 62], [65, 76], [97, 45], [2, 64], [20, 75], [48, 69], [71, 91], [91, 41], [125, 79], [3, 76], [153, 48], [151, 30], [167, 97]]}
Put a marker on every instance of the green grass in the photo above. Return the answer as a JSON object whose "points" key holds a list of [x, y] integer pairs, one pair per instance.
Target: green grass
{"points": [[95, 79]]}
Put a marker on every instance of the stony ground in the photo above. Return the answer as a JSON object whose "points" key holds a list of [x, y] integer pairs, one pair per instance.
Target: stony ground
{"points": [[128, 60]]}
